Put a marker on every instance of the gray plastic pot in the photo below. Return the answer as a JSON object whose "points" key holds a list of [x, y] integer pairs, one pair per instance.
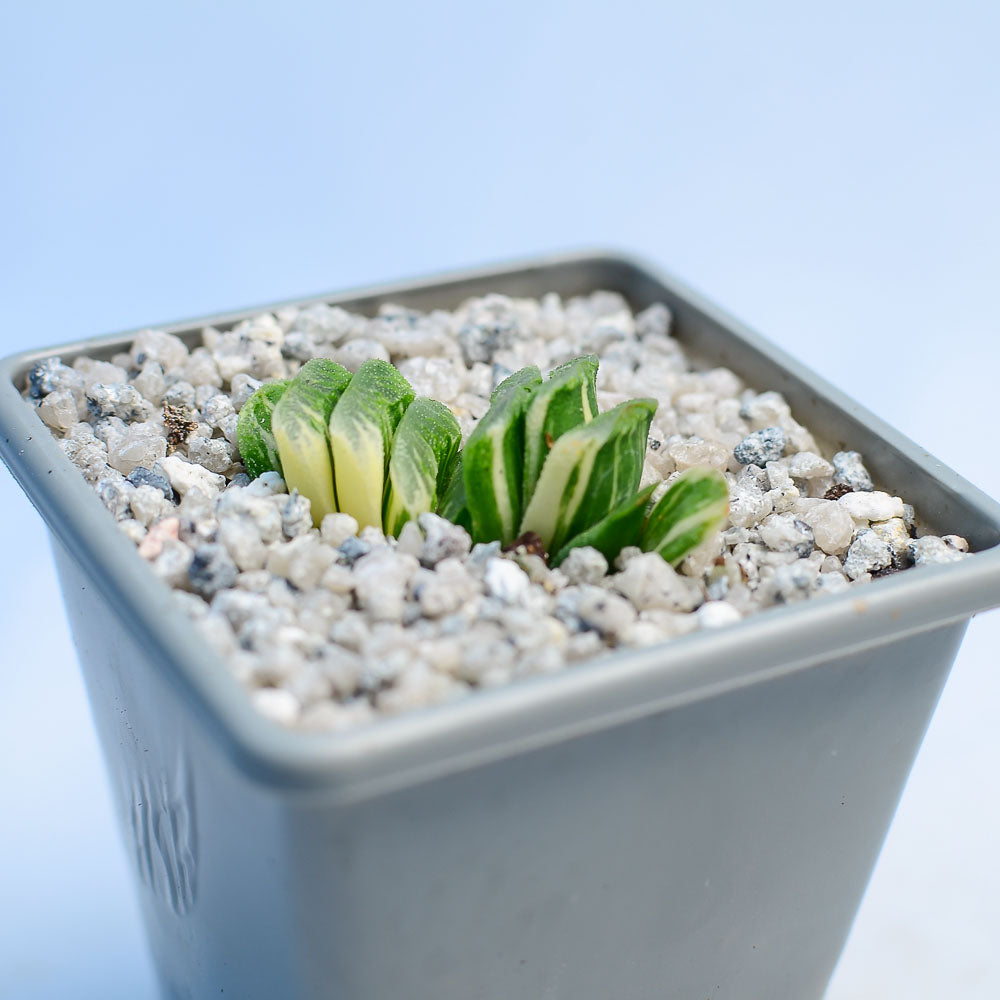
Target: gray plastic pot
{"points": [[695, 820]]}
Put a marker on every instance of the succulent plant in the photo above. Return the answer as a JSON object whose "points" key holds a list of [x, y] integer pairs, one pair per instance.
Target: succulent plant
{"points": [[423, 452], [493, 460], [541, 462], [300, 426], [362, 426], [253, 430]]}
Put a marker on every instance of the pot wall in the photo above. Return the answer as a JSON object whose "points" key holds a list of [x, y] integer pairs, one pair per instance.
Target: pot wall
{"points": [[718, 848]]}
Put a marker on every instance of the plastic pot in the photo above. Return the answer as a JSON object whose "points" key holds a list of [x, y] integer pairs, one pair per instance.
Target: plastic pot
{"points": [[699, 819]]}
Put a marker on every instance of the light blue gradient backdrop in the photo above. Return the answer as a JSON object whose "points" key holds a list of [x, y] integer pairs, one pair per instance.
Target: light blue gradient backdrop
{"points": [[832, 178]]}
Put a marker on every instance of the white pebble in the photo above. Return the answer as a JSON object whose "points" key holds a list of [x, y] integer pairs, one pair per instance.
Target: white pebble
{"points": [[873, 506], [380, 583], [355, 352], [58, 410], [649, 581], [411, 539], [832, 525], [185, 476], [441, 539], [141, 445], [688, 454], [808, 465], [714, 614], [243, 542], [584, 564], [277, 704], [505, 580], [337, 528], [787, 533]]}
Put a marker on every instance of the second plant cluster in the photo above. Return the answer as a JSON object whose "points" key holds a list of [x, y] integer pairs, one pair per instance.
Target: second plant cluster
{"points": [[542, 463]]}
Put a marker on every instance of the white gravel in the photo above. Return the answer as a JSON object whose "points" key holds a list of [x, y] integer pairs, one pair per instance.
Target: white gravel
{"points": [[329, 629]]}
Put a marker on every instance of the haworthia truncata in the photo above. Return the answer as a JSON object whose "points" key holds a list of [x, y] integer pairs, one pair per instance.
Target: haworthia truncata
{"points": [[695, 505], [567, 398], [493, 459], [423, 451], [361, 431], [254, 436], [299, 424], [452, 504], [589, 471], [612, 533]]}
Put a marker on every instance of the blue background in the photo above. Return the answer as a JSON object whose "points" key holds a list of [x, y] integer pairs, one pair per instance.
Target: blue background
{"points": [[829, 176]]}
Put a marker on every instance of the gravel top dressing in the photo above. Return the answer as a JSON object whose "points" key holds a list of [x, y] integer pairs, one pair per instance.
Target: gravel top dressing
{"points": [[329, 622]]}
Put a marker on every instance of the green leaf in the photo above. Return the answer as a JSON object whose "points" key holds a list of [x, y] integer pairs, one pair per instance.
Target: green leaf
{"points": [[611, 534], [254, 436], [589, 471], [695, 506], [423, 451], [453, 505], [361, 431], [493, 460], [299, 423], [566, 399]]}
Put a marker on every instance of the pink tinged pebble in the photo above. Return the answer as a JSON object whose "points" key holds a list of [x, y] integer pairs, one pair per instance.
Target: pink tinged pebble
{"points": [[152, 545]]}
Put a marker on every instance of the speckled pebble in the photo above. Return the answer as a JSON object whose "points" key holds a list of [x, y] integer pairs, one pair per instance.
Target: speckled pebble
{"points": [[932, 551], [442, 539], [868, 554], [849, 469], [604, 611], [116, 400], [896, 535], [155, 477], [787, 533], [761, 447], [211, 570]]}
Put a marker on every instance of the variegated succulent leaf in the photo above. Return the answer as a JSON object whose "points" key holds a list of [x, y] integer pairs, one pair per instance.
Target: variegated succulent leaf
{"points": [[566, 399], [452, 504], [493, 459], [254, 436], [693, 508], [423, 451], [612, 533], [361, 429], [589, 471], [299, 424]]}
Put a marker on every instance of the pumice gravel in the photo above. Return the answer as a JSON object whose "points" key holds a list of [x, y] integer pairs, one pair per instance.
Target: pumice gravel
{"points": [[329, 625]]}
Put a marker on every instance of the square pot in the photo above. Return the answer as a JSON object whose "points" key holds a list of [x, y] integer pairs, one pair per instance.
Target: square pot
{"points": [[697, 819]]}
